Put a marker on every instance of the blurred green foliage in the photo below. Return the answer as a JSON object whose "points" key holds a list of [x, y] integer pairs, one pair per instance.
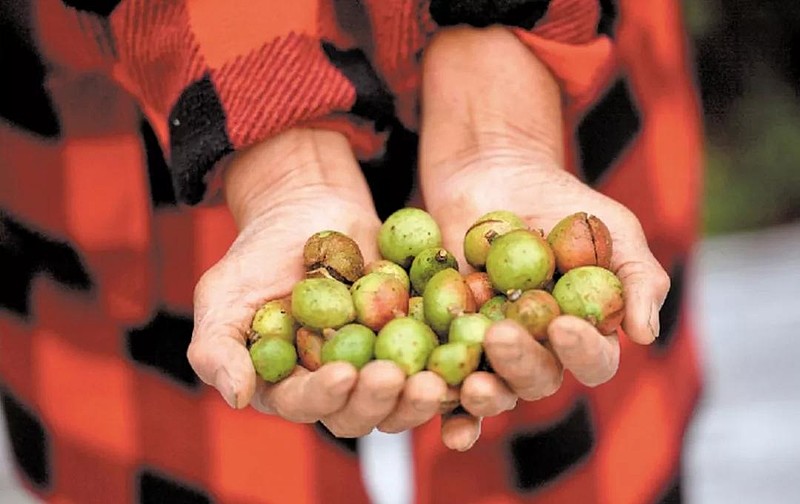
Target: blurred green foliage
{"points": [[747, 58]]}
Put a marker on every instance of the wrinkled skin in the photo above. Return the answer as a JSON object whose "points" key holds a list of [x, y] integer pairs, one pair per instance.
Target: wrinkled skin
{"points": [[480, 150]]}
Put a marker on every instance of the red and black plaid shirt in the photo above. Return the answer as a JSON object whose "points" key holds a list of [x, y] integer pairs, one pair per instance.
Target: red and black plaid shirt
{"points": [[112, 116]]}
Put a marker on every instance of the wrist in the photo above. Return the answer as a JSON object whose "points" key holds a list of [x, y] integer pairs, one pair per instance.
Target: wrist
{"points": [[285, 168], [486, 97]]}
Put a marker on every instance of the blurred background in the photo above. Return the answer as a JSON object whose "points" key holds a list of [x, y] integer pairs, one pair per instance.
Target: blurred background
{"points": [[744, 444]]}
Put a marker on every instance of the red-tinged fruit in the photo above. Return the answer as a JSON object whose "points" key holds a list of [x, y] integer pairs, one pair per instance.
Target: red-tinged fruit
{"points": [[390, 268], [594, 294], [579, 240], [534, 310], [480, 286], [447, 296], [309, 348], [378, 298]]}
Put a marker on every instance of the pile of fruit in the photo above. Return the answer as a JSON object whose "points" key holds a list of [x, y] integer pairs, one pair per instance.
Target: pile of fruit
{"points": [[415, 308]]}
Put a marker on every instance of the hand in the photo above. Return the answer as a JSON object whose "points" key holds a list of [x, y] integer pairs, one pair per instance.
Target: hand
{"points": [[280, 192], [491, 139]]}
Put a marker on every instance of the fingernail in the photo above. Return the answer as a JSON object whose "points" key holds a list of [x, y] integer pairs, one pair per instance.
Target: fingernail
{"points": [[654, 323], [224, 384]]}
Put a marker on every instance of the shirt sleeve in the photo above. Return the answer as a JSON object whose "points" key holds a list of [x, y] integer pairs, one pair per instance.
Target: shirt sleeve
{"points": [[211, 77], [563, 34]]}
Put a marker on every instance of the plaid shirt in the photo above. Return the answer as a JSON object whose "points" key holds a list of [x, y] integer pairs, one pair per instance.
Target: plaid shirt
{"points": [[112, 117]]}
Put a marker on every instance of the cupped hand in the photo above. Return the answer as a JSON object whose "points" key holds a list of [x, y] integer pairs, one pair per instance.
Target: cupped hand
{"points": [[491, 139], [280, 192]]}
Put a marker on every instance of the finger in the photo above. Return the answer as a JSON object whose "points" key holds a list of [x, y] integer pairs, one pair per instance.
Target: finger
{"points": [[591, 357], [529, 369], [485, 395], [218, 355], [422, 396], [645, 285], [306, 396], [374, 397], [460, 430]]}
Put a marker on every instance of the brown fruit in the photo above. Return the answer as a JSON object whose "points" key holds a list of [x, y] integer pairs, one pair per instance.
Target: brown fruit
{"points": [[309, 348], [534, 310], [335, 252], [480, 286], [580, 240]]}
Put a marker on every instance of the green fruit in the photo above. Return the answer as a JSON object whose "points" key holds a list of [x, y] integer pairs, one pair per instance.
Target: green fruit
{"points": [[406, 233], [534, 310], [416, 309], [336, 252], [487, 228], [353, 343], [447, 295], [469, 328], [495, 308], [520, 259], [273, 358], [309, 348], [320, 303], [454, 361], [407, 342], [428, 263], [378, 298], [274, 318], [594, 294], [390, 268]]}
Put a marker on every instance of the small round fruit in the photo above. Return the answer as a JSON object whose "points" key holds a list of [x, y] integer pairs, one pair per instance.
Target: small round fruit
{"points": [[416, 309], [454, 361], [594, 294], [406, 233], [428, 263], [273, 358], [480, 286], [378, 298], [353, 343], [309, 348], [469, 328], [487, 228], [495, 308], [274, 318], [534, 310], [407, 342], [336, 252], [580, 240], [390, 268], [447, 295], [319, 303], [520, 259]]}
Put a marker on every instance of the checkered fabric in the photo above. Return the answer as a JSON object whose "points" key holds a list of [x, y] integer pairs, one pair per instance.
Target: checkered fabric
{"points": [[112, 117]]}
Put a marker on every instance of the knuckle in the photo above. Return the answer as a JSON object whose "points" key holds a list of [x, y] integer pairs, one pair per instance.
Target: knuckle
{"points": [[346, 431], [663, 282]]}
